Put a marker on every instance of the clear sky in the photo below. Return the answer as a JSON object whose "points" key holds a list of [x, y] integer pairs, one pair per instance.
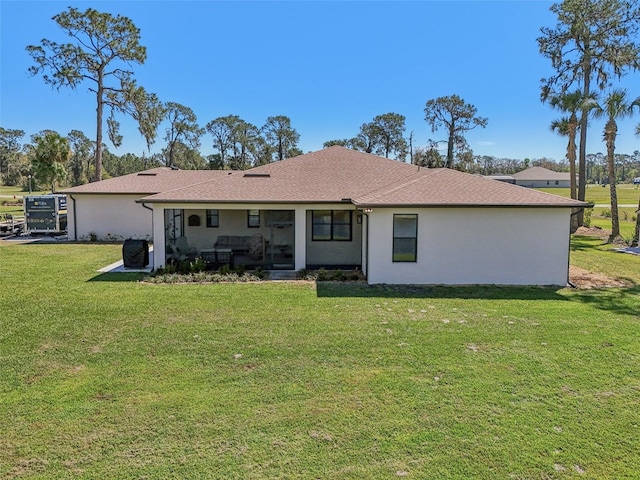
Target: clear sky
{"points": [[329, 66]]}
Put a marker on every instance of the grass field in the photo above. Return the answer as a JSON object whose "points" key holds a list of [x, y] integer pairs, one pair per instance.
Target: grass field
{"points": [[102, 376], [10, 205], [627, 195]]}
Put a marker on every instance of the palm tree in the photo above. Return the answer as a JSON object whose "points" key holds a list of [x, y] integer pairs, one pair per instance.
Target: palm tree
{"points": [[636, 234], [570, 103], [566, 128], [615, 106]]}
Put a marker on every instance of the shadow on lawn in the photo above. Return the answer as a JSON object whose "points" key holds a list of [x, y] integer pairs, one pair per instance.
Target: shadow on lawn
{"points": [[586, 243], [336, 289], [117, 277], [624, 301]]}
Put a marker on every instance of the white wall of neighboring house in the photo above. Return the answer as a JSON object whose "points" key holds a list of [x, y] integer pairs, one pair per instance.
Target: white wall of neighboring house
{"points": [[109, 217], [544, 183], [501, 246]]}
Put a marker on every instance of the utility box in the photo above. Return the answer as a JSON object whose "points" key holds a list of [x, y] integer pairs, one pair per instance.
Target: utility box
{"points": [[45, 213]]}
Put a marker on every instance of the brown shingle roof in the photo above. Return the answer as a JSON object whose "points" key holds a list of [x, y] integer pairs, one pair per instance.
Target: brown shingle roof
{"points": [[148, 182], [330, 175], [338, 174], [445, 187], [333, 175], [540, 173]]}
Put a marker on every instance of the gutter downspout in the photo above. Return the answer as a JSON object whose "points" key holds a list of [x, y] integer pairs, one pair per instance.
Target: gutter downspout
{"points": [[153, 267], [366, 236], [75, 219], [144, 205]]}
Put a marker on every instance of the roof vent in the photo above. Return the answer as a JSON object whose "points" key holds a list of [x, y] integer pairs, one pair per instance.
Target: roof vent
{"points": [[257, 175], [146, 174]]}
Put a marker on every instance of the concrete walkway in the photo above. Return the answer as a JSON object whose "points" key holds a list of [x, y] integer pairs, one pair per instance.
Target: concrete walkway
{"points": [[118, 267]]}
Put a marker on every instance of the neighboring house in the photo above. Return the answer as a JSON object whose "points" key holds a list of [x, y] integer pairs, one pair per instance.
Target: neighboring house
{"points": [[540, 177], [501, 178], [107, 210]]}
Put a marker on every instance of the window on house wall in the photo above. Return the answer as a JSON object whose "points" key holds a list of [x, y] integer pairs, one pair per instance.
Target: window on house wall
{"points": [[557, 182], [194, 220], [331, 225], [405, 237], [213, 218], [253, 218]]}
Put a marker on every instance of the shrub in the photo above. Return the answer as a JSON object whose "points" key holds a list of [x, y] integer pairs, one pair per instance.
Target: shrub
{"points": [[198, 265], [321, 275], [304, 274], [587, 217]]}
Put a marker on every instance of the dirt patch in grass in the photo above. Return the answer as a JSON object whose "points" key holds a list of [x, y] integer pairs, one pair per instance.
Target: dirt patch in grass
{"points": [[582, 278], [593, 232]]}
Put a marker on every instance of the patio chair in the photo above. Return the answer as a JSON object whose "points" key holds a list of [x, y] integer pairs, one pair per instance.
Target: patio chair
{"points": [[180, 250]]}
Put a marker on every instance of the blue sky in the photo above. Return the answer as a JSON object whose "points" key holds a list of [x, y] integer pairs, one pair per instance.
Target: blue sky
{"points": [[329, 66]]}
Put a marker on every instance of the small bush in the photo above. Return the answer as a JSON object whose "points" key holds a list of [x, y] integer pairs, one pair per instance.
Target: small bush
{"points": [[587, 217], [198, 265], [606, 213], [261, 273], [321, 275], [304, 274]]}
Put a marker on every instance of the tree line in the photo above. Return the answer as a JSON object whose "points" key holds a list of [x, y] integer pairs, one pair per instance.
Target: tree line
{"points": [[48, 160]]}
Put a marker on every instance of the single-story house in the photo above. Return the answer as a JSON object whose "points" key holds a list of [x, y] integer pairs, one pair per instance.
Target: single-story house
{"points": [[340, 208], [540, 177]]}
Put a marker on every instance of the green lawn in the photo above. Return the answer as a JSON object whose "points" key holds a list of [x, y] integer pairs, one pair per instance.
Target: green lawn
{"points": [[627, 195], [102, 376]]}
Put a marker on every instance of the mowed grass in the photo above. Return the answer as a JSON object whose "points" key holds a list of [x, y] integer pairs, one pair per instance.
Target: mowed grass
{"points": [[627, 195], [102, 376]]}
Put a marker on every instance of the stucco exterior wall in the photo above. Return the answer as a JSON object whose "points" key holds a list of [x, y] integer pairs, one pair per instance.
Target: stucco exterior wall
{"points": [[110, 217], [482, 246], [331, 252]]}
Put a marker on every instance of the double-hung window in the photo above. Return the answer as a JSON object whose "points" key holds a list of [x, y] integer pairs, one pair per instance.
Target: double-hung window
{"points": [[213, 218], [405, 237], [331, 225], [253, 218]]}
